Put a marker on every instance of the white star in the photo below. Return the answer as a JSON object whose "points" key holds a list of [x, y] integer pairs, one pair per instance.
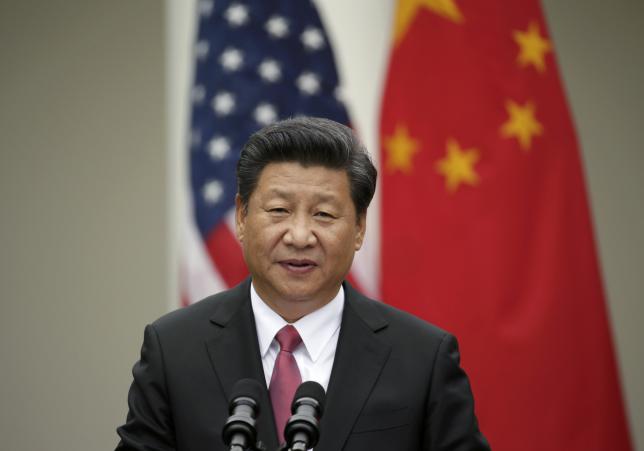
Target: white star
{"points": [[201, 49], [308, 83], [205, 7], [218, 148], [277, 27], [212, 191], [236, 15], [231, 59], [312, 38], [223, 103], [265, 114], [198, 94], [270, 70]]}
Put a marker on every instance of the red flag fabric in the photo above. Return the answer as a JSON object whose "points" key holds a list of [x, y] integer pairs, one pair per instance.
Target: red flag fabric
{"points": [[485, 224]]}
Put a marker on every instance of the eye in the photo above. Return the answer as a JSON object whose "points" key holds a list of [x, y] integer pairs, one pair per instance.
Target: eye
{"points": [[277, 211], [324, 215]]}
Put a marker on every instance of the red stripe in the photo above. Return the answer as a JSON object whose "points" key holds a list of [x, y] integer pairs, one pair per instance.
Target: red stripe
{"points": [[226, 255]]}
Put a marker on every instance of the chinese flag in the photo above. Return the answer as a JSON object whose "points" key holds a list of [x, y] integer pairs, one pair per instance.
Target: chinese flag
{"points": [[486, 228]]}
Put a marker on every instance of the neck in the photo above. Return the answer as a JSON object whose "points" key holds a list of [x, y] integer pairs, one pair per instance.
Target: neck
{"points": [[293, 309]]}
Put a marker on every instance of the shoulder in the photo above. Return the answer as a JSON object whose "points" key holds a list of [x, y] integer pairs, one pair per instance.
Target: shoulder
{"points": [[379, 315], [218, 308]]}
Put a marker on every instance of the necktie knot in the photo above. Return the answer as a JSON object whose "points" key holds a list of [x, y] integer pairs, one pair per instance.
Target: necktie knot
{"points": [[288, 338]]}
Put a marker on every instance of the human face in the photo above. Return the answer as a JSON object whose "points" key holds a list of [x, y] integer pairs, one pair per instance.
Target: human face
{"points": [[299, 234]]}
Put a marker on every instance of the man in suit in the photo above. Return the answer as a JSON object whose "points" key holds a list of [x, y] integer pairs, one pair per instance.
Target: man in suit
{"points": [[393, 381]]}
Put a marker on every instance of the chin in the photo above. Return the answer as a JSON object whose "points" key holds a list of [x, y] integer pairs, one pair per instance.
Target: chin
{"points": [[299, 292], [294, 295]]}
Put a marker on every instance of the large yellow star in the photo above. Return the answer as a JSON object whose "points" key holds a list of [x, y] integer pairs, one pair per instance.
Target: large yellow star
{"points": [[407, 10], [400, 150], [521, 123], [532, 47], [458, 166]]}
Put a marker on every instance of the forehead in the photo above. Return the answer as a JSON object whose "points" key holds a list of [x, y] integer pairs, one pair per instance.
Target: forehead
{"points": [[290, 179]]}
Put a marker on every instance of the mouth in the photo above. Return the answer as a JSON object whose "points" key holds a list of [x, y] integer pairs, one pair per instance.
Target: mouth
{"points": [[298, 266]]}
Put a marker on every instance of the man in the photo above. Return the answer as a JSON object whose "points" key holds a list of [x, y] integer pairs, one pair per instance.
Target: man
{"points": [[393, 382]]}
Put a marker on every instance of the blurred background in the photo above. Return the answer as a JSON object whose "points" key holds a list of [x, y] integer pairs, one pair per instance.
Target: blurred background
{"points": [[90, 119]]}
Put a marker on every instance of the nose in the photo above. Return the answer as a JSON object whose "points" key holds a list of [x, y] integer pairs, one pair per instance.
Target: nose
{"points": [[300, 233]]}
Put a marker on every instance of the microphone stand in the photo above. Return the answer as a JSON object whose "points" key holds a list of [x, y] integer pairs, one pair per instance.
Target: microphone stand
{"points": [[259, 446]]}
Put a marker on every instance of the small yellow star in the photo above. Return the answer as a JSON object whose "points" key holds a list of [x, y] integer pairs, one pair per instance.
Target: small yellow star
{"points": [[521, 123], [532, 47], [400, 149], [458, 166], [407, 10]]}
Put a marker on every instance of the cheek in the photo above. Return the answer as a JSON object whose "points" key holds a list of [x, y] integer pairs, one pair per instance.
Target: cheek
{"points": [[265, 238], [341, 244]]}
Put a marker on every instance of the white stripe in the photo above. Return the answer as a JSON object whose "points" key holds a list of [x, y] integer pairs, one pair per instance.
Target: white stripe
{"points": [[199, 277]]}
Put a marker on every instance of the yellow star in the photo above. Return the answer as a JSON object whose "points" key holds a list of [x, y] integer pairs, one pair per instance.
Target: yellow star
{"points": [[407, 10], [458, 166], [521, 123], [400, 149], [532, 47]]}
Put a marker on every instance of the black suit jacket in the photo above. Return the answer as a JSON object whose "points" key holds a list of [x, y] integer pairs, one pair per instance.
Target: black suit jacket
{"points": [[396, 382]]}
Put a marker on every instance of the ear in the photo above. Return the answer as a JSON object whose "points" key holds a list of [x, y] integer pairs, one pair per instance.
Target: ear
{"points": [[361, 229], [240, 218]]}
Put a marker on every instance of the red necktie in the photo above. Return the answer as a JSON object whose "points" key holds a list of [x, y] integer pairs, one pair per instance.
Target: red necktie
{"points": [[286, 377]]}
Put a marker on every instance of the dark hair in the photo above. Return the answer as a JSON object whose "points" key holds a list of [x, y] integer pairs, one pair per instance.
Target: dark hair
{"points": [[310, 141]]}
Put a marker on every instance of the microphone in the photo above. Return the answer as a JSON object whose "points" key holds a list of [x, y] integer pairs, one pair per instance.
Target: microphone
{"points": [[239, 432], [302, 430]]}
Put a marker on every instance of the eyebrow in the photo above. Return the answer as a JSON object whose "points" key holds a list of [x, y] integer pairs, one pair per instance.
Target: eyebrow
{"points": [[289, 195]]}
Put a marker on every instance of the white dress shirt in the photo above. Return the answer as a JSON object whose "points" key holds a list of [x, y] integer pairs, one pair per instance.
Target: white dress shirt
{"points": [[319, 331]]}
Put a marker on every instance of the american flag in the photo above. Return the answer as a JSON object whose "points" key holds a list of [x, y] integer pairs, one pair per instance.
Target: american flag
{"points": [[256, 61]]}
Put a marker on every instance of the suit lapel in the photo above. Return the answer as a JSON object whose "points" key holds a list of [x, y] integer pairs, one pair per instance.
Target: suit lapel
{"points": [[234, 353], [359, 359]]}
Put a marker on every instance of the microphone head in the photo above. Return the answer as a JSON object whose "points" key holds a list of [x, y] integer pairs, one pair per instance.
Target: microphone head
{"points": [[246, 388], [309, 389], [239, 431]]}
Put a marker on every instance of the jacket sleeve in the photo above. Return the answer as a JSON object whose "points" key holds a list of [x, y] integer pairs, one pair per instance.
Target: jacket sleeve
{"points": [[451, 422], [149, 424]]}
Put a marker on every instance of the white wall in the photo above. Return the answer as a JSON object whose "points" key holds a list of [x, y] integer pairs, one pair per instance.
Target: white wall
{"points": [[82, 214]]}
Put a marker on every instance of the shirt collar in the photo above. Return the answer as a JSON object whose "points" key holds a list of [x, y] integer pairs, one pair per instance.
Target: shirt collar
{"points": [[316, 328]]}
